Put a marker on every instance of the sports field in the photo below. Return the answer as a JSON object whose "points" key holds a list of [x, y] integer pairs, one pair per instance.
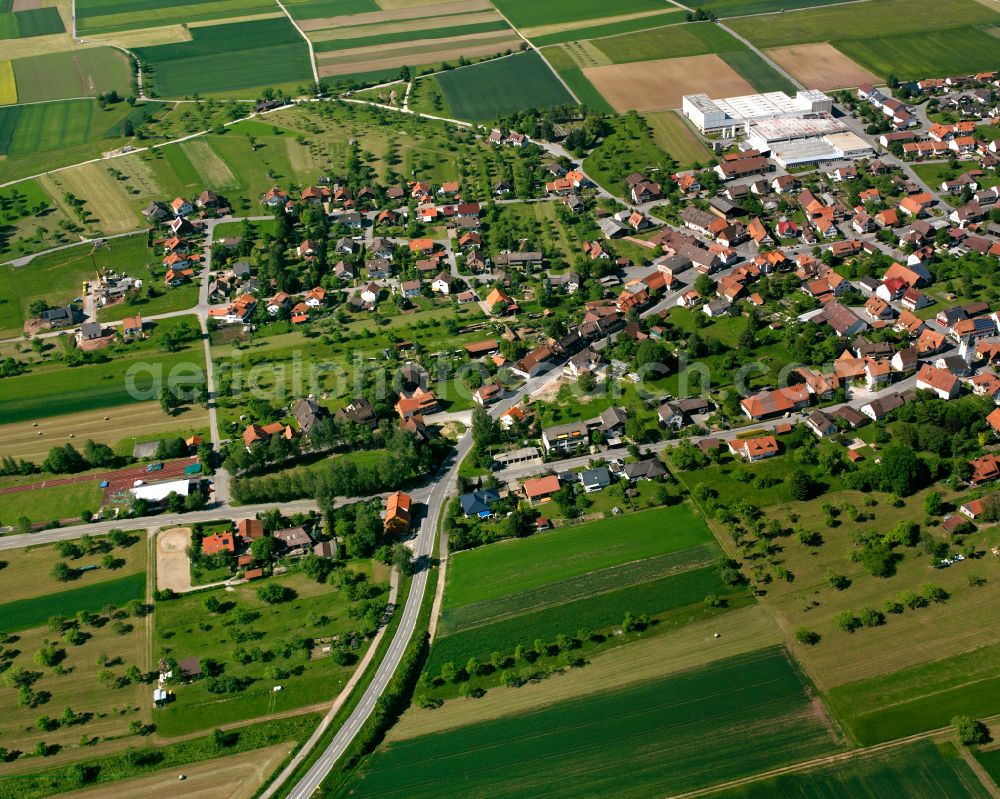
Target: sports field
{"points": [[683, 732], [23, 614], [677, 139], [230, 58], [483, 91], [521, 564], [81, 73], [919, 698], [921, 770]]}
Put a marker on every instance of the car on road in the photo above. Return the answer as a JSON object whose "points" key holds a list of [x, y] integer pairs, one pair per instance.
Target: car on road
{"points": [[154, 467]]}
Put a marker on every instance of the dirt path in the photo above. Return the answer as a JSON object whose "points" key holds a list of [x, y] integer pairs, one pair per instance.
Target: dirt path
{"points": [[234, 777]]}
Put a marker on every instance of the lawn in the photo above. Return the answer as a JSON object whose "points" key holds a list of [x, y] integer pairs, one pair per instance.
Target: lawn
{"points": [[678, 595], [724, 721], [530, 13], [862, 20], [184, 629], [230, 58], [513, 566], [23, 614], [501, 86], [673, 135], [670, 42], [80, 73], [910, 56], [921, 770], [919, 698]]}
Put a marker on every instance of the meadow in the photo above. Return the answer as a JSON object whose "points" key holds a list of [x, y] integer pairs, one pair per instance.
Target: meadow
{"points": [[529, 13], [629, 147], [723, 721], [910, 56], [923, 697], [23, 614], [657, 598], [80, 73], [517, 565], [863, 20], [184, 629], [484, 91], [238, 57], [673, 135], [921, 770]]}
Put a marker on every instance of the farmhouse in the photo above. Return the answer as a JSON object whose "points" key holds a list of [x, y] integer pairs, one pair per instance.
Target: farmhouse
{"points": [[397, 512]]}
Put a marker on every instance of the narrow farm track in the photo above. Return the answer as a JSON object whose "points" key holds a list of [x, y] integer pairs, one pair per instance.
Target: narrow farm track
{"points": [[312, 53]]}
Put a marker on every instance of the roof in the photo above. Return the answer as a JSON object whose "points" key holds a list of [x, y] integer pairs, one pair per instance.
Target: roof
{"points": [[540, 486], [936, 378], [397, 509], [762, 445]]}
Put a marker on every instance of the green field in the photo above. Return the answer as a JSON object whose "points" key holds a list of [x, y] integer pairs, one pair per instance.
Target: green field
{"points": [[918, 771], [595, 612], [991, 762], [107, 16], [484, 91], [315, 9], [761, 75], [23, 614], [52, 503], [330, 45], [911, 56], [81, 73], [920, 698], [184, 629], [863, 20], [230, 58], [672, 42], [611, 28], [31, 128], [727, 720], [673, 135], [736, 8], [570, 72], [25, 24], [531, 13], [521, 564]]}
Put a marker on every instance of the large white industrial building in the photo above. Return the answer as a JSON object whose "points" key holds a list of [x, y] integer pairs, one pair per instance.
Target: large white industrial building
{"points": [[738, 112], [791, 130]]}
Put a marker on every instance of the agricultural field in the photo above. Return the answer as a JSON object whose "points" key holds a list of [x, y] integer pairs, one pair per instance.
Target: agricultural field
{"points": [[24, 614], [921, 770], [183, 629], [592, 29], [484, 91], [725, 720], [29, 23], [79, 73], [8, 84], [106, 206], [675, 137], [919, 698], [530, 14], [911, 39], [990, 760], [119, 428], [821, 66], [224, 59], [30, 221], [741, 8], [111, 16], [698, 38]]}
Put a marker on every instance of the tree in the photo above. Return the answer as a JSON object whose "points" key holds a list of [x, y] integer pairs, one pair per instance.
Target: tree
{"points": [[902, 471], [801, 485], [275, 593], [970, 731], [807, 637], [401, 559], [847, 621], [62, 572], [212, 603], [933, 504], [263, 549], [23, 525]]}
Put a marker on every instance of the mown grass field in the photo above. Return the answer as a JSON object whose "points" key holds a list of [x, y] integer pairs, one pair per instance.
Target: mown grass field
{"points": [[528, 13], [919, 698], [863, 20], [483, 91], [608, 28], [912, 55], [230, 58], [672, 134], [50, 504], [921, 770], [24, 614], [657, 598], [185, 629], [26, 571], [107, 16], [81, 73], [720, 722], [518, 565]]}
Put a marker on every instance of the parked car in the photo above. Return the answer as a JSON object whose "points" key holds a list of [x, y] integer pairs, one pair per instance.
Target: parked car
{"points": [[154, 467]]}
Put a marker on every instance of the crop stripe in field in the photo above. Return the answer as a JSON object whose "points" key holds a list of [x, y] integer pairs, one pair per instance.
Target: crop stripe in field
{"points": [[599, 581], [23, 614]]}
